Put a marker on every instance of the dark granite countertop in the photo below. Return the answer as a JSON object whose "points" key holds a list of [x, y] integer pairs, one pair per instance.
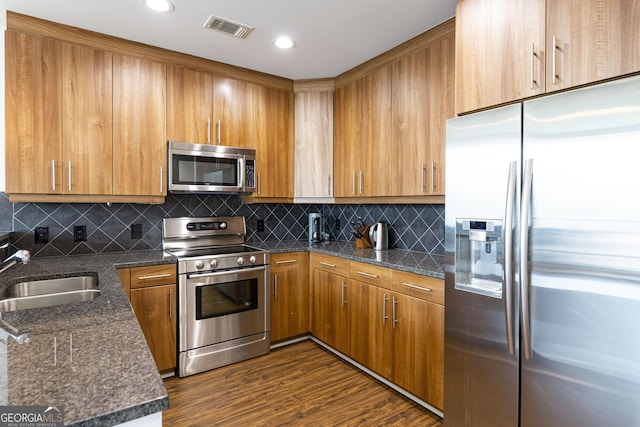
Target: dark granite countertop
{"points": [[89, 357], [414, 262]]}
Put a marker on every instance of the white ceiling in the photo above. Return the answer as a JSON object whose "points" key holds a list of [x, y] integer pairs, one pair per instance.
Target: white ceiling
{"points": [[332, 35]]}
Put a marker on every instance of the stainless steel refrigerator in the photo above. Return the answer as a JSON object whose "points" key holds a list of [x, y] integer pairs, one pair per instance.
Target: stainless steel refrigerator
{"points": [[542, 252]]}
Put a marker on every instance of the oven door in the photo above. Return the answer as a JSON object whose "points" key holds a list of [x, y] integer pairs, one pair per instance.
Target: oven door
{"points": [[221, 306]]}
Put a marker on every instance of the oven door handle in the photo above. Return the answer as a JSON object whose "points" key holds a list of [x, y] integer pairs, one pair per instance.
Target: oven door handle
{"points": [[224, 272]]}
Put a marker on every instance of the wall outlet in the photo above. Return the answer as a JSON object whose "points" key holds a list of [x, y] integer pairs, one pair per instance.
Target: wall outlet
{"points": [[79, 233], [260, 226], [337, 223], [136, 231], [41, 235]]}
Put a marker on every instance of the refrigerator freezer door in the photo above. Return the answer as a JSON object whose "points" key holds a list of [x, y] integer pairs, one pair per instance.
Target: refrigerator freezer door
{"points": [[481, 374], [584, 258]]}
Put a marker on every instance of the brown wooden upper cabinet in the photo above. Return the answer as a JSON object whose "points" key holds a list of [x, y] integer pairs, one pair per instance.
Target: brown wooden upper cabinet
{"points": [[389, 125], [206, 109], [509, 50], [70, 111], [363, 135]]}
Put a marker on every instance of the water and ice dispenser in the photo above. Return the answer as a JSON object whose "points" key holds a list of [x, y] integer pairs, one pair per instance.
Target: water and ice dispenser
{"points": [[479, 256]]}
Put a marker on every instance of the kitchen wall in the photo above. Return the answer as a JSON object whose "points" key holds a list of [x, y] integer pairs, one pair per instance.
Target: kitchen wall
{"points": [[413, 227]]}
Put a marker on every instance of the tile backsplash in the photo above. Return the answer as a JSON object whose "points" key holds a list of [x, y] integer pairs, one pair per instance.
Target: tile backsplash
{"points": [[413, 227]]}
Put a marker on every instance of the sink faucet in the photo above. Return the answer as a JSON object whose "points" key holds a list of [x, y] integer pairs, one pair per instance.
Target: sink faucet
{"points": [[22, 256]]}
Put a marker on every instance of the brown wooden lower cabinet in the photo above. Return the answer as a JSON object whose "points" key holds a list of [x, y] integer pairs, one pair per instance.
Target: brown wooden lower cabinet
{"points": [[289, 295], [397, 334], [153, 298]]}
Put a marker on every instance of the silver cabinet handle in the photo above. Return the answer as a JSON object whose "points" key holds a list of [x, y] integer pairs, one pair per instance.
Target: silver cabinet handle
{"points": [[361, 179], [219, 130], [553, 61], [329, 185], [259, 181], [161, 175], [508, 256], [209, 130], [409, 285], [433, 177], [533, 54], [289, 261], [69, 175], [343, 294], [53, 175], [423, 170], [275, 286], [170, 301], [384, 308], [353, 183], [326, 264], [394, 319], [373, 276], [154, 276], [524, 258]]}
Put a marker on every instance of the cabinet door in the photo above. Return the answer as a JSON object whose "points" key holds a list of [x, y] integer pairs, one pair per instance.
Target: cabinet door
{"points": [[233, 112], [422, 102], [329, 310], [370, 326], [375, 141], [87, 120], [286, 301], [494, 44], [189, 106], [139, 145], [155, 308], [594, 40], [418, 348], [346, 144], [313, 144], [33, 114], [273, 142]]}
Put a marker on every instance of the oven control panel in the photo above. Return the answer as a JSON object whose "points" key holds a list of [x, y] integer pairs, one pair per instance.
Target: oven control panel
{"points": [[207, 264]]}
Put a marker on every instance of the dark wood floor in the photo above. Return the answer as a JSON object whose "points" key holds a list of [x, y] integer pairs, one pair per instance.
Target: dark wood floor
{"points": [[298, 385]]}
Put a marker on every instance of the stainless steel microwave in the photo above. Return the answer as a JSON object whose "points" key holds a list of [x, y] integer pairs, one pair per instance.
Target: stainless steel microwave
{"points": [[200, 168]]}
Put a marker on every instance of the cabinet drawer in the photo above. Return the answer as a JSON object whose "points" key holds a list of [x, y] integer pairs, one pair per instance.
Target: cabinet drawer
{"points": [[285, 261], [153, 275], [330, 264], [371, 274], [416, 285]]}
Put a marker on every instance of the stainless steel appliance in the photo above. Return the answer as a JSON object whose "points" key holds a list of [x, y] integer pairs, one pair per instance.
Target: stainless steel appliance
{"points": [[315, 227], [542, 251], [201, 168], [223, 303], [379, 236]]}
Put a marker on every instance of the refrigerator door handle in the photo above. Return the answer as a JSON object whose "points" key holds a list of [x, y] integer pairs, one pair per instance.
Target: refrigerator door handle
{"points": [[524, 258], [508, 256]]}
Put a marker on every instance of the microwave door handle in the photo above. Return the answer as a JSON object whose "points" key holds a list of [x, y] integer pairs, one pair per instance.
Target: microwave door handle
{"points": [[241, 173]]}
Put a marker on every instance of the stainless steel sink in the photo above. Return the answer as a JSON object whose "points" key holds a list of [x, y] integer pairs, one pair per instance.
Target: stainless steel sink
{"points": [[49, 292]]}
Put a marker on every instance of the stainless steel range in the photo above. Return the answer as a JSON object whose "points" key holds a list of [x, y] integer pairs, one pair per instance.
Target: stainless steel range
{"points": [[223, 304]]}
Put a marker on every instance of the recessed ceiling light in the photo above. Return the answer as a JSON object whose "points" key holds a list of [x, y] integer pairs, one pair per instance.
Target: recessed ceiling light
{"points": [[284, 43], [159, 5]]}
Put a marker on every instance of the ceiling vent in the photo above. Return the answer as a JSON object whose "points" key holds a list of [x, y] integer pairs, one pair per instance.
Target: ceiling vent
{"points": [[229, 27]]}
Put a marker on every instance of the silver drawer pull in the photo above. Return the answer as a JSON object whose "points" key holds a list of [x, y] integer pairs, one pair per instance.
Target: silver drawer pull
{"points": [[367, 274], [155, 276], [289, 261], [417, 287], [326, 264]]}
